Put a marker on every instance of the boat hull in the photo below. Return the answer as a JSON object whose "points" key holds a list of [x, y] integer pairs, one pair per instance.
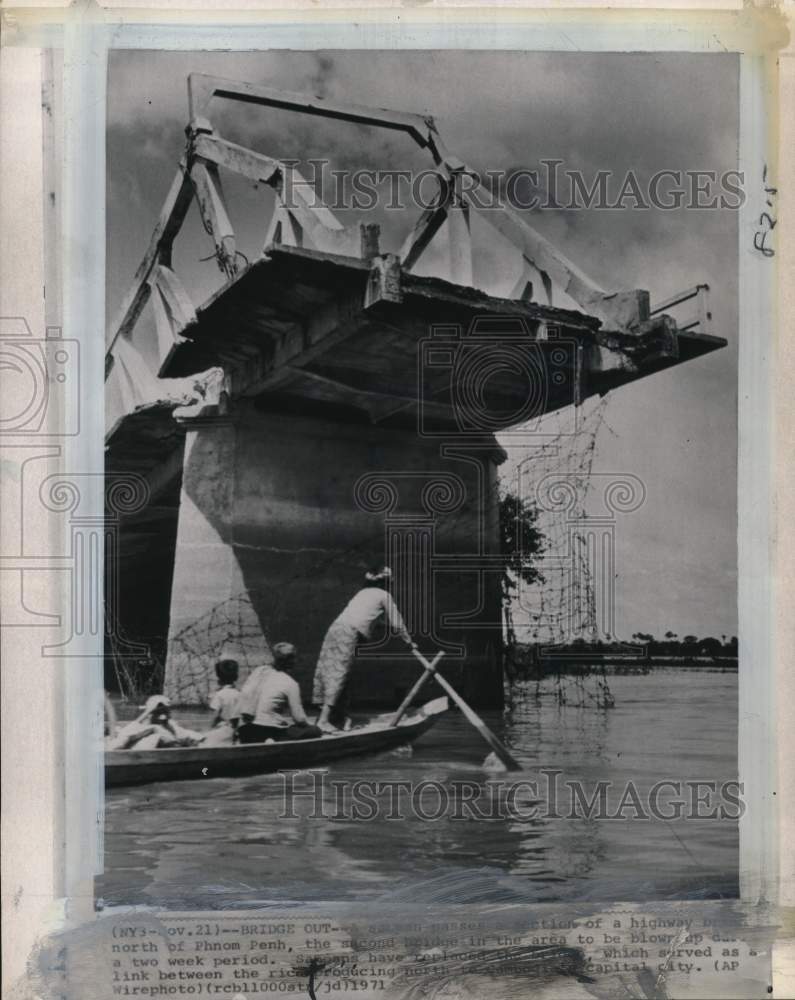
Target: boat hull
{"points": [[139, 767]]}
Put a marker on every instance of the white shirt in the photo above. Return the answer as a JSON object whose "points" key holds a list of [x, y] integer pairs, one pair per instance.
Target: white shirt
{"points": [[249, 694], [366, 607], [279, 702], [224, 702]]}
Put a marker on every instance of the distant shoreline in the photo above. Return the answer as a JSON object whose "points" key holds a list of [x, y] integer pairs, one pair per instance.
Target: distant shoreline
{"points": [[620, 664]]}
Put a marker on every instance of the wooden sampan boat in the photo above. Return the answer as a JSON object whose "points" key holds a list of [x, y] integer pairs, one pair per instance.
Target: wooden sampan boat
{"points": [[139, 767]]}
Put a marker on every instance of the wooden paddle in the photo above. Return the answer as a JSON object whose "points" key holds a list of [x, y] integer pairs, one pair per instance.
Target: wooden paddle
{"points": [[430, 668], [496, 745]]}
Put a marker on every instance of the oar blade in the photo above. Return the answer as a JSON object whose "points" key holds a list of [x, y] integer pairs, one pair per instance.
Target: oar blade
{"points": [[496, 745]]}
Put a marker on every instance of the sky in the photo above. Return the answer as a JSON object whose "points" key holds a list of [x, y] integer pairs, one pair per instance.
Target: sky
{"points": [[677, 430]]}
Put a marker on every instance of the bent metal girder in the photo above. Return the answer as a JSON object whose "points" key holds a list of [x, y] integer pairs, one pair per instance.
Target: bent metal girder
{"points": [[305, 222]]}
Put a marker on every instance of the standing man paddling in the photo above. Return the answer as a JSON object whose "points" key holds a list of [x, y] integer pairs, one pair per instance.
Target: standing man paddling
{"points": [[373, 603]]}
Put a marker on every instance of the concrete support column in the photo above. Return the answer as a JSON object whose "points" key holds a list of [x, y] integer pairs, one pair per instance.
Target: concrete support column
{"points": [[281, 515]]}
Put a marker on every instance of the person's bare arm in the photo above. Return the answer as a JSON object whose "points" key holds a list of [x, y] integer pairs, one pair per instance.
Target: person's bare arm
{"points": [[128, 741], [294, 701], [395, 620]]}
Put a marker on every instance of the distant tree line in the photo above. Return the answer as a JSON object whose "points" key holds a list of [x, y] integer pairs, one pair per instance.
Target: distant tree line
{"points": [[522, 544], [688, 645], [671, 646]]}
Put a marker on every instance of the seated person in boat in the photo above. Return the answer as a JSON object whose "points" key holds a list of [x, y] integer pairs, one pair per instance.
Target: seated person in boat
{"points": [[224, 703], [372, 604], [283, 655], [248, 695], [154, 728], [279, 714]]}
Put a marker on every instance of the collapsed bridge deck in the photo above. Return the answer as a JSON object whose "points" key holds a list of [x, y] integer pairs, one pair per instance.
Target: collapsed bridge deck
{"points": [[373, 338]]}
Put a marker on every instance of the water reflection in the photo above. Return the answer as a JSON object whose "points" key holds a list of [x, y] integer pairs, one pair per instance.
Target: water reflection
{"points": [[224, 842]]}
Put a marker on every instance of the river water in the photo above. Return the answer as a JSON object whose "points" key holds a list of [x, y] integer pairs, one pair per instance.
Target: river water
{"points": [[227, 842]]}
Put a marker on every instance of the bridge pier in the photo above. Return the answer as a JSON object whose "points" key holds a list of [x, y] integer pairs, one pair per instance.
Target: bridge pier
{"points": [[280, 515]]}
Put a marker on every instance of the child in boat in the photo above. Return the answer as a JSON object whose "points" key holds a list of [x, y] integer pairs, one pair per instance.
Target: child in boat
{"points": [[373, 603], [154, 728], [224, 703], [279, 714]]}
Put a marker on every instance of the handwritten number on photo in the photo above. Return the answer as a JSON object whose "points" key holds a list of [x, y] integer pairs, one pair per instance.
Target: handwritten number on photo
{"points": [[767, 222]]}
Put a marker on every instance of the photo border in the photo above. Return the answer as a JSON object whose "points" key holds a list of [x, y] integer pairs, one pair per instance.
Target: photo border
{"points": [[85, 38]]}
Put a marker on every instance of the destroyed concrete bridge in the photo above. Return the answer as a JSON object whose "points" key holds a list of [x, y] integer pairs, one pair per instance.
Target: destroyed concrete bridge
{"points": [[337, 407]]}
